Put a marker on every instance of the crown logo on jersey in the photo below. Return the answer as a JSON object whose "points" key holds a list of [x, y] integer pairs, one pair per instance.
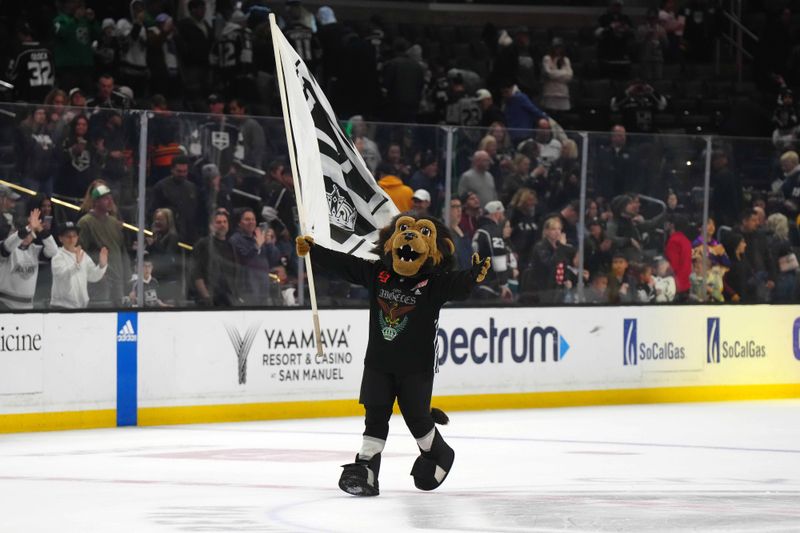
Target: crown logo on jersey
{"points": [[340, 211]]}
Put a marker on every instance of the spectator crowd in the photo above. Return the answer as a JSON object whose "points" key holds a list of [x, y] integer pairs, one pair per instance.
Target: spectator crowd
{"points": [[220, 200]]}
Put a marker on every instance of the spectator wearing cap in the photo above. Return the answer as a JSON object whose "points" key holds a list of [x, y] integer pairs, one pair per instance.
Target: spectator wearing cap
{"points": [[73, 270], [400, 193], [75, 29], [462, 109], [470, 213], [279, 204], [8, 205], [180, 195], [488, 242], [490, 113], [521, 113], [19, 262], [556, 74], [98, 229], [422, 202], [478, 178], [427, 177], [193, 38]]}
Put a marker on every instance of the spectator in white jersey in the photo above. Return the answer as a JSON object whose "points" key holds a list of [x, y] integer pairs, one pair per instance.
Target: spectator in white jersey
{"points": [[19, 262], [73, 270]]}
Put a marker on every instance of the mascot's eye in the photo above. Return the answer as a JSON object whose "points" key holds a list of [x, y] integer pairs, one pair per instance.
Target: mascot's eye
{"points": [[425, 231], [403, 227]]}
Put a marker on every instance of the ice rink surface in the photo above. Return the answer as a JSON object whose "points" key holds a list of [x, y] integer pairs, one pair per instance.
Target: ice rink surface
{"points": [[732, 467]]}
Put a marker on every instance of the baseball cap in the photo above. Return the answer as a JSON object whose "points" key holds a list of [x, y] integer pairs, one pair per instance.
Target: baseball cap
{"points": [[482, 94], [210, 171], [74, 91], [422, 194], [108, 23], [100, 191], [67, 226], [214, 98], [495, 206], [162, 17], [6, 191]]}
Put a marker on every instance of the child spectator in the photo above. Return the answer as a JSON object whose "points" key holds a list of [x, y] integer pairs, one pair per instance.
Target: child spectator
{"points": [[664, 281], [73, 269], [597, 292], [646, 287], [150, 286]]}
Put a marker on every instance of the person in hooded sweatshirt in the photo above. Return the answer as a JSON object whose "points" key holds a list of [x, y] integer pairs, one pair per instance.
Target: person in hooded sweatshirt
{"points": [[133, 71], [19, 262], [400, 193]]}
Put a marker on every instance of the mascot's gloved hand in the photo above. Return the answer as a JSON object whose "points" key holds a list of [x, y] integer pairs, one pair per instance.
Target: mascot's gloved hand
{"points": [[480, 267], [303, 244]]}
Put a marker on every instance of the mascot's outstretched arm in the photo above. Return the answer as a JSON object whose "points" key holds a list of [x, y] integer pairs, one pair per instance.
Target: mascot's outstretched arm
{"points": [[480, 266]]}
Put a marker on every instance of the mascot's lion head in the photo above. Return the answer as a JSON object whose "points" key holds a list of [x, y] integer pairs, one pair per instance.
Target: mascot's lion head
{"points": [[416, 245]]}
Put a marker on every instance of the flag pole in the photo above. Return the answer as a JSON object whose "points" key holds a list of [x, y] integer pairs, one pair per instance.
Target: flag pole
{"points": [[301, 211]]}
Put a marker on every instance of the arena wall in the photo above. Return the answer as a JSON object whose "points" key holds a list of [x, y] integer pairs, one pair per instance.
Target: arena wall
{"points": [[63, 371]]}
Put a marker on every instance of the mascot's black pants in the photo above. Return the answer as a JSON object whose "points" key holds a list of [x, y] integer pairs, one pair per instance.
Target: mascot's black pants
{"points": [[413, 393]]}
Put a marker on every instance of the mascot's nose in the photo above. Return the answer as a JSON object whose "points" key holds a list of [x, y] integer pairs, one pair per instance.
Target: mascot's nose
{"points": [[409, 236]]}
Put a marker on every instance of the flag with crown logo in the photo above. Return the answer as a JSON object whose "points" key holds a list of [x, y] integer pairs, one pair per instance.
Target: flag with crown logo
{"points": [[345, 208]]}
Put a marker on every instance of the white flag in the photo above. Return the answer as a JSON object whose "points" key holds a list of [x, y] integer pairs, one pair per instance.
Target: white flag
{"points": [[345, 208]]}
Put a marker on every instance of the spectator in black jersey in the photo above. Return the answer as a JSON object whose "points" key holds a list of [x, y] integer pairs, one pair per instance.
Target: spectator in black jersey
{"points": [[110, 144], [32, 69], [614, 34], [404, 80], [614, 165], [488, 242], [524, 219], [638, 105], [107, 49], [165, 254], [79, 160], [490, 113], [215, 139]]}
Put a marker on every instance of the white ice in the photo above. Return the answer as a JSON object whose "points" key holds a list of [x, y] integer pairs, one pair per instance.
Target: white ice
{"points": [[732, 467]]}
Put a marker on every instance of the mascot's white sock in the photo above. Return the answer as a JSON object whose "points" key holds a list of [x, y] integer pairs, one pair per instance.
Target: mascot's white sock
{"points": [[426, 442], [370, 447]]}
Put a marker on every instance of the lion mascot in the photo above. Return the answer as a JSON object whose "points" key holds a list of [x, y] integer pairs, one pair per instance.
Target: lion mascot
{"points": [[407, 288]]}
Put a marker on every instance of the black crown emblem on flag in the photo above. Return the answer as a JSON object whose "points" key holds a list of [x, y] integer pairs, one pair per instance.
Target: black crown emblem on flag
{"points": [[340, 211]]}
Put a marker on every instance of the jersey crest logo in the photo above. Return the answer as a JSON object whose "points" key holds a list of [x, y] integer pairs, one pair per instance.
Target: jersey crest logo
{"points": [[392, 318], [220, 139]]}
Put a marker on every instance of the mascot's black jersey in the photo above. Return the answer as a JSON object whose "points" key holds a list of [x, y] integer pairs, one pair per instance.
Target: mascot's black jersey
{"points": [[403, 311]]}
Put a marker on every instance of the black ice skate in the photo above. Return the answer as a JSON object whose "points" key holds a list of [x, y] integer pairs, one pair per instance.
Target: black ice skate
{"points": [[361, 478], [432, 467]]}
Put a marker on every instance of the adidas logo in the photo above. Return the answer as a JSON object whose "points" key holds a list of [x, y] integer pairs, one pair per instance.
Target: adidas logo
{"points": [[126, 334]]}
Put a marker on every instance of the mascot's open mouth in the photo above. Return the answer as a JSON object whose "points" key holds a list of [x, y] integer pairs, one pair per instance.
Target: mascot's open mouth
{"points": [[407, 254]]}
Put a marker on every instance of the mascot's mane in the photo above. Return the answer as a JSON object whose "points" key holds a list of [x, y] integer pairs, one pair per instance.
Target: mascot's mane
{"points": [[443, 235]]}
